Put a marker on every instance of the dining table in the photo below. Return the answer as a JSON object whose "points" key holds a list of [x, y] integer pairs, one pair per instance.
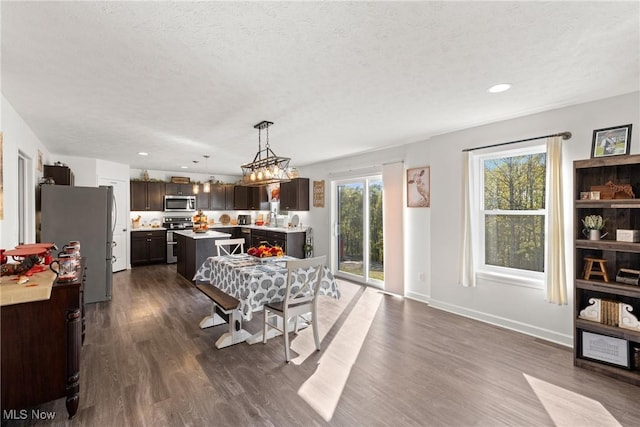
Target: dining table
{"points": [[254, 282]]}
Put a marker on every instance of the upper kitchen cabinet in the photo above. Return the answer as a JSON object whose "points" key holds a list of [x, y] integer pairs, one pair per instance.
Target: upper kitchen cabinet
{"points": [[294, 195], [61, 175], [202, 198], [250, 198], [173, 189], [221, 197], [147, 196]]}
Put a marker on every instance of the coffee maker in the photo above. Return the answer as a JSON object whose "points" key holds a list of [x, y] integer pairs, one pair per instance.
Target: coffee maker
{"points": [[244, 219]]}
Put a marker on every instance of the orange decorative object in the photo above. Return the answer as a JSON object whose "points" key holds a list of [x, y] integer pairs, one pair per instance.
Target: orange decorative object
{"points": [[264, 251]]}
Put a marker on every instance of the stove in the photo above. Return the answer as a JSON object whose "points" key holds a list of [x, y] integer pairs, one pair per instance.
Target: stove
{"points": [[175, 223]]}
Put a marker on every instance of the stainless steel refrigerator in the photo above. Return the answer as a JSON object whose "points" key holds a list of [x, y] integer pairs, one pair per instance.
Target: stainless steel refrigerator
{"points": [[85, 214]]}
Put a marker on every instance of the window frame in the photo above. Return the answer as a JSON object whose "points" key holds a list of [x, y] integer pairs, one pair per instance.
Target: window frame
{"points": [[505, 275]]}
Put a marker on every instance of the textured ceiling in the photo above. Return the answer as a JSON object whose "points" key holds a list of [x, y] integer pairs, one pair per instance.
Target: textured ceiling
{"points": [[185, 79]]}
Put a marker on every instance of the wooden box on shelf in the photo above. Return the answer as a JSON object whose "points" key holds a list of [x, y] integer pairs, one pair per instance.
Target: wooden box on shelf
{"points": [[616, 300]]}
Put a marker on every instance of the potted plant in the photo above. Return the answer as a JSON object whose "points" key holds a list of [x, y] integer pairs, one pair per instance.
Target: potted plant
{"points": [[593, 225]]}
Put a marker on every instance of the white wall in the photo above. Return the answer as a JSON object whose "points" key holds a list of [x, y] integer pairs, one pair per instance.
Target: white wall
{"points": [[432, 235], [17, 136]]}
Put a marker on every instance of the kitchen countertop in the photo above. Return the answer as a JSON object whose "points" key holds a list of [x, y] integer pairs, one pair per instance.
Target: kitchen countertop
{"points": [[148, 229], [38, 288], [208, 235], [263, 227]]}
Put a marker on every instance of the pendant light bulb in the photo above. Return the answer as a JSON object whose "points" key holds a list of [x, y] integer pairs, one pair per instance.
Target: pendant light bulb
{"points": [[252, 177], [207, 187]]}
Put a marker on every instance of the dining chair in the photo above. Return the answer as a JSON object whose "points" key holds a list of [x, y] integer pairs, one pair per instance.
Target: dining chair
{"points": [[301, 297], [230, 246]]}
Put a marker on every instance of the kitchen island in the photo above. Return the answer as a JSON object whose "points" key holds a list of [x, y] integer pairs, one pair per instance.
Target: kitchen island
{"points": [[194, 248]]}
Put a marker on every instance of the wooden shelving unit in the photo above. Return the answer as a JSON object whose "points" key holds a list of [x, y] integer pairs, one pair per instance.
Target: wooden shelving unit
{"points": [[620, 214]]}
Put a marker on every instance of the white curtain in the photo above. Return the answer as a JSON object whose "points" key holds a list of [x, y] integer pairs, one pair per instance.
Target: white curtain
{"points": [[392, 204], [555, 272], [467, 254]]}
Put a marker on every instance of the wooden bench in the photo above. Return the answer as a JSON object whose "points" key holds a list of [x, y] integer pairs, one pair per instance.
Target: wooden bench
{"points": [[224, 309]]}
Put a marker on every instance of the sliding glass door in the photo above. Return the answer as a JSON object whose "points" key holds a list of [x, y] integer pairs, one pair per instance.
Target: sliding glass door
{"points": [[359, 242]]}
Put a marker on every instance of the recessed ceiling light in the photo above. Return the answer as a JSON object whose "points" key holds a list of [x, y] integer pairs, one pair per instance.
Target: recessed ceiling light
{"points": [[142, 153], [499, 88], [184, 167]]}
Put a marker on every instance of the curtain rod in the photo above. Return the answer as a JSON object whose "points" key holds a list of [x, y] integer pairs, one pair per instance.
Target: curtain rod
{"points": [[564, 135]]}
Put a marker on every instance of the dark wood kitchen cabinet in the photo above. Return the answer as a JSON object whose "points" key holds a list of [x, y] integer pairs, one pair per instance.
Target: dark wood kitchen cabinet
{"points": [[294, 195], [222, 197], [41, 344], [148, 247], [147, 196], [219, 198], [291, 243], [250, 198], [61, 175], [174, 189]]}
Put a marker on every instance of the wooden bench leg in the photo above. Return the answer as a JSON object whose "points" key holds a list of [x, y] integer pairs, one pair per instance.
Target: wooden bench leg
{"points": [[235, 335], [213, 320]]}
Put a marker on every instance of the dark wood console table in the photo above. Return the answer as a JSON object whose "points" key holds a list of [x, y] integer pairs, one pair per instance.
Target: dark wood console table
{"points": [[41, 342]]}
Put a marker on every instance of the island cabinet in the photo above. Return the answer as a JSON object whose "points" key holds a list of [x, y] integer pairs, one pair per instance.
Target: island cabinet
{"points": [[250, 198], [148, 247], [607, 270], [294, 195], [147, 196], [41, 344], [174, 189], [292, 243], [194, 248]]}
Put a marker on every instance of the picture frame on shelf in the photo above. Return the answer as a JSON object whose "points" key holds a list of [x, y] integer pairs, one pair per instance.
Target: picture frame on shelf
{"points": [[613, 141], [603, 348], [418, 187]]}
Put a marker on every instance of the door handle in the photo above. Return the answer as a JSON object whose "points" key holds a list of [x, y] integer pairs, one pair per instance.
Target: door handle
{"points": [[114, 259], [114, 244]]}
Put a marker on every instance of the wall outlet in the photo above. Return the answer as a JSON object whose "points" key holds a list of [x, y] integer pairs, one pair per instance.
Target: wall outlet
{"points": [[421, 276]]}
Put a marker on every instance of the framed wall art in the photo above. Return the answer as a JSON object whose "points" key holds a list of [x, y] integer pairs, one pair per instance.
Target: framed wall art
{"points": [[613, 141], [318, 194], [418, 188]]}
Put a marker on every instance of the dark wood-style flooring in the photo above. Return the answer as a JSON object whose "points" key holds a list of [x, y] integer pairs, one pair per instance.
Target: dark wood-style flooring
{"points": [[385, 361]]}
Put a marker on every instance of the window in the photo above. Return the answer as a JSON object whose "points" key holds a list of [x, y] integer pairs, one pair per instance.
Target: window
{"points": [[511, 213]]}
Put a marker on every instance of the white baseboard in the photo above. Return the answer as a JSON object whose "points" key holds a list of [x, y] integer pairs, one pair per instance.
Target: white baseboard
{"points": [[534, 331]]}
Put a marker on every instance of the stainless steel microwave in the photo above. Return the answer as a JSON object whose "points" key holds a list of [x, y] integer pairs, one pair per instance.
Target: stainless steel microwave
{"points": [[179, 203]]}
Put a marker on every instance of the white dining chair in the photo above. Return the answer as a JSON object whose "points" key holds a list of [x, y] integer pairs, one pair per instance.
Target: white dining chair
{"points": [[301, 297], [229, 246]]}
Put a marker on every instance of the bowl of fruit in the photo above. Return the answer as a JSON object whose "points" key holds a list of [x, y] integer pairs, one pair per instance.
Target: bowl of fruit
{"points": [[264, 251]]}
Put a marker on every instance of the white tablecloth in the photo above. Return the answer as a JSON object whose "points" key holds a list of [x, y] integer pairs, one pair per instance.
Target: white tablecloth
{"points": [[254, 282]]}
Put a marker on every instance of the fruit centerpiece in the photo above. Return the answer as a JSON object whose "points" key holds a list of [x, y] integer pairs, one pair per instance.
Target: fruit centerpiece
{"points": [[264, 251]]}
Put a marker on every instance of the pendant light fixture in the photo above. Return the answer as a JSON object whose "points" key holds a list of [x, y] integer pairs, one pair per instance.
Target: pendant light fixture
{"points": [[196, 188], [266, 167], [207, 184]]}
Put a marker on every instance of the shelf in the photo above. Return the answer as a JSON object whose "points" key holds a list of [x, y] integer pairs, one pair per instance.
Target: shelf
{"points": [[623, 374], [612, 331], [609, 288], [607, 245], [609, 204]]}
